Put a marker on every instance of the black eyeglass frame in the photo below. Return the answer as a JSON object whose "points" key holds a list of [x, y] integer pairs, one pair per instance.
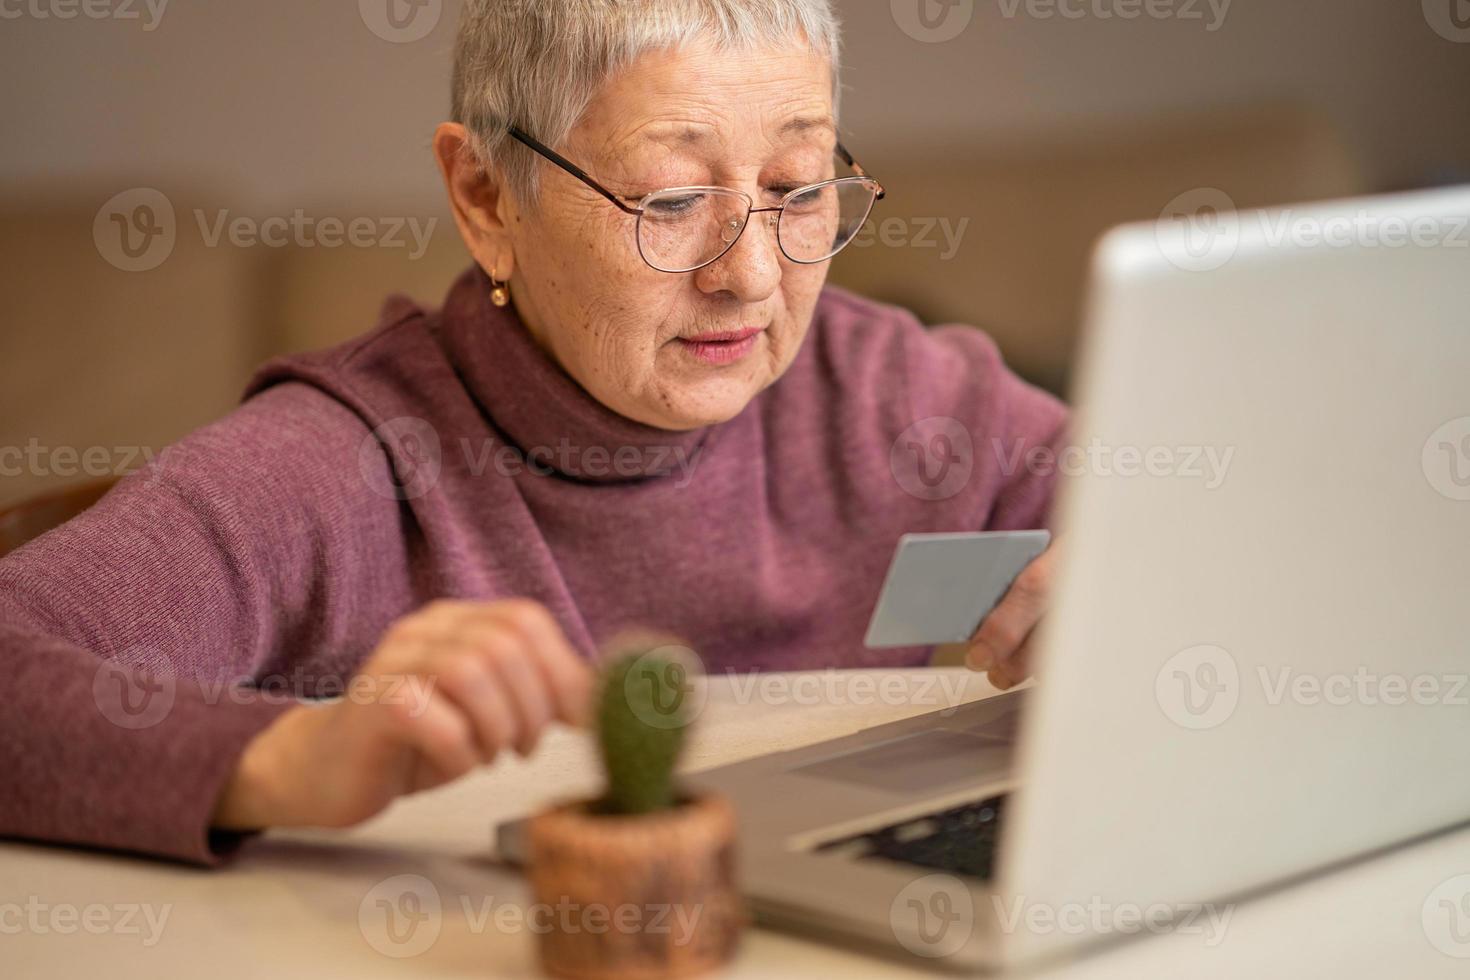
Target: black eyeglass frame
{"points": [[638, 210]]}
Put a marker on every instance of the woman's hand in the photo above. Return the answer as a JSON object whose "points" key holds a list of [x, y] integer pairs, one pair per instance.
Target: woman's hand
{"points": [[1002, 645], [448, 688]]}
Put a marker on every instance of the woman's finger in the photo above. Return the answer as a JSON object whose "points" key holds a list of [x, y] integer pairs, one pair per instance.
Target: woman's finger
{"points": [[474, 687], [511, 660], [1004, 631], [1013, 670], [567, 676], [439, 731]]}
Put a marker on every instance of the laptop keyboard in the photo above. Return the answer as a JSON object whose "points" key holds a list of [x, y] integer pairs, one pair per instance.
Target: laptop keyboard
{"points": [[960, 840]]}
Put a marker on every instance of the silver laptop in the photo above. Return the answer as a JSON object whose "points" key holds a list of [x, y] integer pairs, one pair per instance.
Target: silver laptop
{"points": [[1255, 665]]}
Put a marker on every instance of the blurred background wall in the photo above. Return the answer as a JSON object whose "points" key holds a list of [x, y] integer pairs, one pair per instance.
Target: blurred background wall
{"points": [[1010, 133]]}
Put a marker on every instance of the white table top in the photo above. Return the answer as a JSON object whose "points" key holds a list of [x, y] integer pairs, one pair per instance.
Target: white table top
{"points": [[289, 905]]}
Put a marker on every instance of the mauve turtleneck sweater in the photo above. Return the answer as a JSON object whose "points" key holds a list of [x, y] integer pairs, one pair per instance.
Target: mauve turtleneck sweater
{"points": [[445, 455]]}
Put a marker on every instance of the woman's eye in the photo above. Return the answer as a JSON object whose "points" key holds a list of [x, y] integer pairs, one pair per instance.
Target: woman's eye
{"points": [[781, 190], [673, 207]]}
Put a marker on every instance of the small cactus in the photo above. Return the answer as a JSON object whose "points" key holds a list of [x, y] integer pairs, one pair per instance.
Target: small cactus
{"points": [[642, 717]]}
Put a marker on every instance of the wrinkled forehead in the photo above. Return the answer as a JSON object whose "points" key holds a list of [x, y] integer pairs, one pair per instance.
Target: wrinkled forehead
{"points": [[706, 101]]}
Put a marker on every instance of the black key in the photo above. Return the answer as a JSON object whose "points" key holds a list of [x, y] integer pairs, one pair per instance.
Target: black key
{"points": [[961, 840]]}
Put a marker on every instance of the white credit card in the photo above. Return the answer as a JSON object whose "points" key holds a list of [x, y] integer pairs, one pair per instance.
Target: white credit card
{"points": [[940, 587]]}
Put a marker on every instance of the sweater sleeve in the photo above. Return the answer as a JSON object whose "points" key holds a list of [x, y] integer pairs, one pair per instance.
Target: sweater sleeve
{"points": [[145, 643]]}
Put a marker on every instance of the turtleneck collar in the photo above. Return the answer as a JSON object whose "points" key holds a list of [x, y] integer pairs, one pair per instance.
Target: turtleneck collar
{"points": [[540, 409]]}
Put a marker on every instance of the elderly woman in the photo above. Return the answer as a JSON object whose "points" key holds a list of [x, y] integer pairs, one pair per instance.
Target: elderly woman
{"points": [[640, 407]]}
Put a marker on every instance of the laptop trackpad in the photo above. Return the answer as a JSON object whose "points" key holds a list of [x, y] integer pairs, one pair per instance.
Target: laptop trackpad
{"points": [[915, 763], [1005, 725]]}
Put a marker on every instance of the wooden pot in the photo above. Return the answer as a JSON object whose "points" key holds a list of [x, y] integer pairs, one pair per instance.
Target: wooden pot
{"points": [[635, 897]]}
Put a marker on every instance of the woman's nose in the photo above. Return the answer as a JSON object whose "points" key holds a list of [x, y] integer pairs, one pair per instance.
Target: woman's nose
{"points": [[751, 270]]}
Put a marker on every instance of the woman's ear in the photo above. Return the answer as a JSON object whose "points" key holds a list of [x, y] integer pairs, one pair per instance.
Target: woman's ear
{"points": [[478, 198]]}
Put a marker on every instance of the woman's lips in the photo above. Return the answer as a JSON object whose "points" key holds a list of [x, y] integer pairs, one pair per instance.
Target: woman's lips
{"points": [[725, 347]]}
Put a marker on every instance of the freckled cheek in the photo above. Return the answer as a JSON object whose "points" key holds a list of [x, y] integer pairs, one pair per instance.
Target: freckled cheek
{"points": [[609, 236], [614, 337], [588, 240], [612, 302], [585, 259]]}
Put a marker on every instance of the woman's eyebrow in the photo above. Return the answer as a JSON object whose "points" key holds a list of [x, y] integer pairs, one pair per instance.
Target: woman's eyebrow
{"points": [[688, 135], [805, 124], [676, 134]]}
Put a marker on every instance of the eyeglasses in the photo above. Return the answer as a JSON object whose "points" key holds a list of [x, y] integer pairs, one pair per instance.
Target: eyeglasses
{"points": [[684, 229]]}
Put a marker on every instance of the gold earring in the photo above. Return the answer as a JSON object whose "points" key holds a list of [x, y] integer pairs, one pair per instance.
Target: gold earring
{"points": [[499, 291]]}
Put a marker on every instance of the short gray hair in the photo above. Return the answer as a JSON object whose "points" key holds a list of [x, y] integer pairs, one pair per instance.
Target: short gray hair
{"points": [[538, 64]]}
